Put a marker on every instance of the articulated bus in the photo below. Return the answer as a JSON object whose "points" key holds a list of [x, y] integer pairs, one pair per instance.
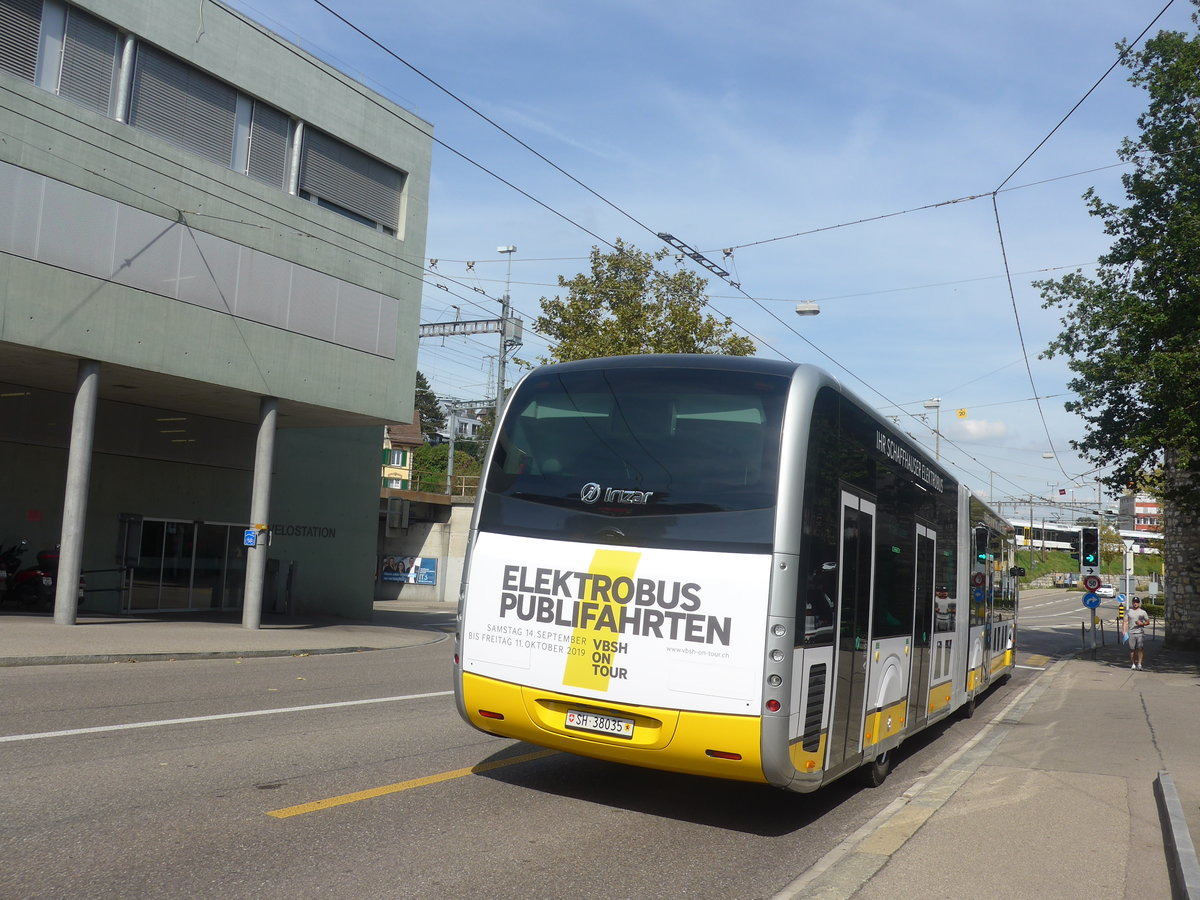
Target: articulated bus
{"points": [[723, 566]]}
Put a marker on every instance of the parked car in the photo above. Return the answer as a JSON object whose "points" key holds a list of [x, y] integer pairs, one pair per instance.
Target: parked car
{"points": [[1106, 590]]}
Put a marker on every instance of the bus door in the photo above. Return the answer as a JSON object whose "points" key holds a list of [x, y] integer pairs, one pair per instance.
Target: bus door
{"points": [[924, 601], [856, 568]]}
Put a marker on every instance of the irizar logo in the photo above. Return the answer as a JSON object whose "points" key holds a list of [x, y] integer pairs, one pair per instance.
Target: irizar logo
{"points": [[590, 493]]}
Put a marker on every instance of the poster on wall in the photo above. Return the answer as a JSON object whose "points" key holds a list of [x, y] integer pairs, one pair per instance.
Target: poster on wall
{"points": [[409, 569]]}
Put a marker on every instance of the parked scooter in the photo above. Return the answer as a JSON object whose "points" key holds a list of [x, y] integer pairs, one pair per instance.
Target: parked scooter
{"points": [[33, 587], [10, 563]]}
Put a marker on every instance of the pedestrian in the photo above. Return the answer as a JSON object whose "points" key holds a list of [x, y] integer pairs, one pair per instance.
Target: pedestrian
{"points": [[1135, 624]]}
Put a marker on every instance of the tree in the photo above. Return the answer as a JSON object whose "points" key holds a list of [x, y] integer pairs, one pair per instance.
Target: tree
{"points": [[430, 462], [627, 305], [432, 419], [1130, 332]]}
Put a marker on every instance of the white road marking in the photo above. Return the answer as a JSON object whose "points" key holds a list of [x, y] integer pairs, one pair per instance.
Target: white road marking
{"points": [[213, 718]]}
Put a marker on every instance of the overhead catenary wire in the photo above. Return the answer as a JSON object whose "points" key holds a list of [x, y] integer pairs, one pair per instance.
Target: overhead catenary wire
{"points": [[1000, 230], [737, 285]]}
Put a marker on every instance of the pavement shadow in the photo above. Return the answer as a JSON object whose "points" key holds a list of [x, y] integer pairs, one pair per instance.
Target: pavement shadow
{"points": [[1158, 658], [434, 620]]}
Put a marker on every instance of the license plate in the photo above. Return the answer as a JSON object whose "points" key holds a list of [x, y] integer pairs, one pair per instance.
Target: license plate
{"points": [[581, 720]]}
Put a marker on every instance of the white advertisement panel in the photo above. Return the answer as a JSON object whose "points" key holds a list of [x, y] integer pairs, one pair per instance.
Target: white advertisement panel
{"points": [[670, 628]]}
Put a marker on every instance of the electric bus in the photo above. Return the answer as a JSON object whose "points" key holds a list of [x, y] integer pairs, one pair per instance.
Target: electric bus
{"points": [[723, 566]]}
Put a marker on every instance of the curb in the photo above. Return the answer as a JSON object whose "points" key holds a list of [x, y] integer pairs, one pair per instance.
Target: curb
{"points": [[87, 658], [71, 659], [1181, 852], [846, 868]]}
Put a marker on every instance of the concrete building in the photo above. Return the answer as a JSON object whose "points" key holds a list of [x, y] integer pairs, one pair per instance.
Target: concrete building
{"points": [[211, 248]]}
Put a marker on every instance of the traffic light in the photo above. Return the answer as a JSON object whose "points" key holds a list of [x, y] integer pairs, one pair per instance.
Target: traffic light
{"points": [[1075, 549], [1089, 546], [981, 544]]}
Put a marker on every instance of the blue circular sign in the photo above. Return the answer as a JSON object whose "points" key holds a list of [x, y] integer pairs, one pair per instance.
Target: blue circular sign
{"points": [[1120, 598], [977, 594], [1091, 601]]}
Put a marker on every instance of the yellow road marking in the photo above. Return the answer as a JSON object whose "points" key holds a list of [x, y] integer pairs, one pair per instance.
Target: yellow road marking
{"points": [[331, 802], [1036, 659]]}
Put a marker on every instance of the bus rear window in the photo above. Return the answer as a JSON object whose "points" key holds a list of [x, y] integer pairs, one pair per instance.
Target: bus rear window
{"points": [[651, 441]]}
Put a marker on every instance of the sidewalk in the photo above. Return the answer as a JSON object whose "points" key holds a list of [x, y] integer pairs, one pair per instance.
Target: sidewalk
{"points": [[27, 639], [1057, 797]]}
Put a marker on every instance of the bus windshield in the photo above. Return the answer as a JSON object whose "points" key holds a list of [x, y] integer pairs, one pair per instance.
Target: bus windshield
{"points": [[634, 453]]}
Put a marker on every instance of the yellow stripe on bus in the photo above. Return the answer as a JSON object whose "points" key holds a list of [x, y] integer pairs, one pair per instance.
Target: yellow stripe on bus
{"points": [[883, 723], [582, 671]]}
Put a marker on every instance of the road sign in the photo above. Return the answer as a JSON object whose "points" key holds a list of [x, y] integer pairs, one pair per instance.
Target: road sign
{"points": [[250, 538], [1091, 582], [978, 579], [1090, 600]]}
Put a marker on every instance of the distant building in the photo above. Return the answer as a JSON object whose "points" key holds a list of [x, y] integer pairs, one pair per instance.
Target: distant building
{"points": [[399, 442], [1140, 512]]}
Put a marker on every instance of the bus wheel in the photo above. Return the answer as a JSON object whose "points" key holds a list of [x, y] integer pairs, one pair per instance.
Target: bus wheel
{"points": [[876, 771]]}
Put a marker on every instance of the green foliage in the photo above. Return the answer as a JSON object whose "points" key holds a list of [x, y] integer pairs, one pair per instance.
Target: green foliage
{"points": [[1129, 333], [625, 304], [432, 418], [1059, 562], [432, 459]]}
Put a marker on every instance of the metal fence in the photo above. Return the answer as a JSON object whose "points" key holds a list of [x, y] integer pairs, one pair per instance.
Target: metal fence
{"points": [[435, 483]]}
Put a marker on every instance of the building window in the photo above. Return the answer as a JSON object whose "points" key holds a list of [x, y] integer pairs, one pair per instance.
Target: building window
{"points": [[20, 26], [266, 155], [183, 105], [399, 458], [90, 61], [347, 181], [70, 52]]}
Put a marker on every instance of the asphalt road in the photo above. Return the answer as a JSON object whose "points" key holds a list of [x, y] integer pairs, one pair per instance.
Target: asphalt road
{"points": [[352, 776]]}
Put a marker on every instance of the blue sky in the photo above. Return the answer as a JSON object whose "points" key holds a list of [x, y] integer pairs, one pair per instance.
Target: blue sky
{"points": [[733, 124]]}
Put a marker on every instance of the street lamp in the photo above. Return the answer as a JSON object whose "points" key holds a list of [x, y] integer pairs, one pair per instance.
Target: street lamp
{"points": [[936, 405], [808, 308]]}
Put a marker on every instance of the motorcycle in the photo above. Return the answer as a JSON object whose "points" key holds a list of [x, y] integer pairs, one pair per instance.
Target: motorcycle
{"points": [[34, 586], [10, 563]]}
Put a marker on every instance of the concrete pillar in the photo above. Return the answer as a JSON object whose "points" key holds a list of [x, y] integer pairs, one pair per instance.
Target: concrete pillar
{"points": [[260, 511], [79, 472]]}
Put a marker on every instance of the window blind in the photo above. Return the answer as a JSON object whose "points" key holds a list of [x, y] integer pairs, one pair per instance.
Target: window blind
{"points": [[345, 177], [20, 26], [89, 61], [267, 160], [183, 105]]}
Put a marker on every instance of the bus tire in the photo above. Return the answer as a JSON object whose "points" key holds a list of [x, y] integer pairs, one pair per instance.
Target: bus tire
{"points": [[876, 771], [968, 708]]}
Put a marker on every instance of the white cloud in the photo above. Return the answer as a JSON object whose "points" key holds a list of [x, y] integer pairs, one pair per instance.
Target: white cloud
{"points": [[979, 429]]}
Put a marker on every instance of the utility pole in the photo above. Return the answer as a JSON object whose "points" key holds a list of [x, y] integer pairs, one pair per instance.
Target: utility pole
{"points": [[508, 251]]}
